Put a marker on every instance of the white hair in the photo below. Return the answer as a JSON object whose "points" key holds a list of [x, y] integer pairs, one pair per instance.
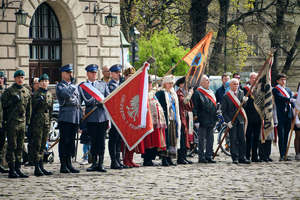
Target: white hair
{"points": [[234, 80], [203, 77], [252, 73]]}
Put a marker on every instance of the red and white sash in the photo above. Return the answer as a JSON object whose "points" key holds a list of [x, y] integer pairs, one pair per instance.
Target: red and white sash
{"points": [[94, 92], [282, 90], [237, 104], [209, 94]]}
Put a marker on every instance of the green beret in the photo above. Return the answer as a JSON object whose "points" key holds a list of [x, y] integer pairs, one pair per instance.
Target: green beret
{"points": [[1, 74], [19, 73], [43, 77]]}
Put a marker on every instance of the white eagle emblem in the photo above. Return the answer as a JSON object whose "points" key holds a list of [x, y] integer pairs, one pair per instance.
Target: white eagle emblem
{"points": [[133, 110]]}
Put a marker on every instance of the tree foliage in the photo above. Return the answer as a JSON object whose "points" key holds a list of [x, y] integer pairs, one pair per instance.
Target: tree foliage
{"points": [[166, 50]]}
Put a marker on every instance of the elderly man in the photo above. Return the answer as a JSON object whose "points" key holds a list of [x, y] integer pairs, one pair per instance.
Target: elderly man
{"points": [[205, 108], [69, 118], [97, 122], [230, 104], [16, 102], [254, 123], [221, 91], [106, 74]]}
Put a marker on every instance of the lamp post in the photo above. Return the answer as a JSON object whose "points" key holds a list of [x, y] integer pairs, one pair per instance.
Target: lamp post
{"points": [[110, 20], [134, 33], [21, 15]]}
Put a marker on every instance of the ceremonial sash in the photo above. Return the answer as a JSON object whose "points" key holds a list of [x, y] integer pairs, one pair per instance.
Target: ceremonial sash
{"points": [[282, 90], [210, 97], [247, 87], [91, 90], [237, 104]]}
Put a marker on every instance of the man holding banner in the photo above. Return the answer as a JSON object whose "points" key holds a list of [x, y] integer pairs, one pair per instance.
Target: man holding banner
{"points": [[230, 104], [92, 92]]}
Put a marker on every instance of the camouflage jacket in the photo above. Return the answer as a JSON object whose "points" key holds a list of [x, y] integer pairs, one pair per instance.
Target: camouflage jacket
{"points": [[16, 104], [42, 102]]}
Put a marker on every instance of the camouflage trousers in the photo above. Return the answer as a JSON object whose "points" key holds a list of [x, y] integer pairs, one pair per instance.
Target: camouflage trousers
{"points": [[39, 137], [15, 141]]}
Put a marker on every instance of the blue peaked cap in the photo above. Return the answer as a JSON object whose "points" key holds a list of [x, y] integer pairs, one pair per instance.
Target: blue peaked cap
{"points": [[92, 68], [67, 68], [115, 68]]}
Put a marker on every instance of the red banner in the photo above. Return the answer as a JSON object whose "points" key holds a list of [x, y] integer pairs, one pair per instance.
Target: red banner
{"points": [[128, 108]]}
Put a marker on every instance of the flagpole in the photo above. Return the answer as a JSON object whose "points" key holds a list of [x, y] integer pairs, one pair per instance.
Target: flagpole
{"points": [[170, 70], [291, 134], [237, 112]]}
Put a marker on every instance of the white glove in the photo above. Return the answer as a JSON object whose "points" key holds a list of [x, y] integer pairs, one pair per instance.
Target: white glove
{"points": [[245, 99], [229, 125], [189, 96], [275, 124], [292, 100]]}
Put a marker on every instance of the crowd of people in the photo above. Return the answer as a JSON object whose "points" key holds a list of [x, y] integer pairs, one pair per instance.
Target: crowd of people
{"points": [[175, 114]]}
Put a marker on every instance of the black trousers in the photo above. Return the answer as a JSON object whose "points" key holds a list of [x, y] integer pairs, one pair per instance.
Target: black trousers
{"points": [[97, 132], [183, 149], [207, 134], [2, 143], [237, 141], [66, 146], [252, 140], [284, 127], [114, 143], [265, 150]]}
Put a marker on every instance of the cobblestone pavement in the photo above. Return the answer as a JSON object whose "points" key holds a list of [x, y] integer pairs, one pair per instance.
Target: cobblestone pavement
{"points": [[223, 180]]}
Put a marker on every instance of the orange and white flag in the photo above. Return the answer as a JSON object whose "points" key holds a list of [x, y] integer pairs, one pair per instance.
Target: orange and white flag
{"points": [[128, 108], [196, 59]]}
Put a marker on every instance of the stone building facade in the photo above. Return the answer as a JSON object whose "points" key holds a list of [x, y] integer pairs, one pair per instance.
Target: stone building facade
{"points": [[58, 32]]}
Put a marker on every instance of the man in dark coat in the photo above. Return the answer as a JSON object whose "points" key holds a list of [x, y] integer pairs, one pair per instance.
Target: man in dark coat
{"points": [[284, 104], [221, 91], [230, 104], [205, 108]]}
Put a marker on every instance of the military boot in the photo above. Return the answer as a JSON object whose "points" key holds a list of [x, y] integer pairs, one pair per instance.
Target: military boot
{"points": [[94, 166], [100, 164], [114, 164], [63, 165], [19, 172], [41, 165], [37, 170], [12, 172], [70, 166]]}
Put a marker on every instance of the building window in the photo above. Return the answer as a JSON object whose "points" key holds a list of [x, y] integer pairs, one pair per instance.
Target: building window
{"points": [[45, 50]]}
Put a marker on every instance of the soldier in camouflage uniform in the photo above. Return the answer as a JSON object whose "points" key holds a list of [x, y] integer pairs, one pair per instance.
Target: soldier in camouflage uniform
{"points": [[2, 132], [42, 103], [16, 103]]}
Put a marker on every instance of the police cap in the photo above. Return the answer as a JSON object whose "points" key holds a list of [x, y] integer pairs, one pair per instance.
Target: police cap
{"points": [[92, 68], [115, 68], [67, 68]]}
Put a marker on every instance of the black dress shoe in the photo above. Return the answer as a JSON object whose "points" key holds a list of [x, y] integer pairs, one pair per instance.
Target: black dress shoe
{"points": [[181, 161], [188, 161], [244, 161], [202, 160], [281, 159], [265, 160], [171, 163], [209, 160], [270, 160], [165, 163], [235, 162], [256, 160]]}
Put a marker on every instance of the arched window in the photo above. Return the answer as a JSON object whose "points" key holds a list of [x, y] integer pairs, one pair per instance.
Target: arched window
{"points": [[45, 50]]}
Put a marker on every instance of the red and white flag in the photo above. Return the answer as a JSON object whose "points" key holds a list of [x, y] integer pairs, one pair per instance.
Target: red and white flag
{"points": [[128, 107], [94, 92]]}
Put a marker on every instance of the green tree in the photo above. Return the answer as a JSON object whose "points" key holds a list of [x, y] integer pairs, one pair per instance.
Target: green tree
{"points": [[166, 50]]}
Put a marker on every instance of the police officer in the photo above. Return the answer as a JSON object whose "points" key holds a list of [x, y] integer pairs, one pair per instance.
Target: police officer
{"points": [[16, 102], [114, 143], [68, 119], [42, 103], [2, 132], [97, 122]]}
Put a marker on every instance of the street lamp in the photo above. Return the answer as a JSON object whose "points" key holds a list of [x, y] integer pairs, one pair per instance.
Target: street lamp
{"points": [[134, 33], [21, 15], [110, 20]]}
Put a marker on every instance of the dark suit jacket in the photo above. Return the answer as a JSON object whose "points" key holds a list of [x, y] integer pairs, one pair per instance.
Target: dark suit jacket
{"points": [[229, 109], [252, 114], [283, 107], [220, 93]]}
